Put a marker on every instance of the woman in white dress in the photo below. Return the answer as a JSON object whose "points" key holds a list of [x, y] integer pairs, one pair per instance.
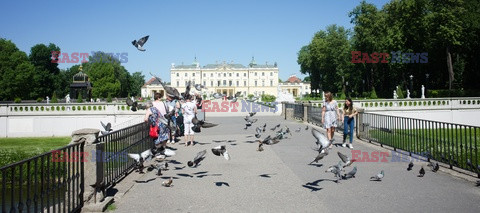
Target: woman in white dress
{"points": [[330, 116]]}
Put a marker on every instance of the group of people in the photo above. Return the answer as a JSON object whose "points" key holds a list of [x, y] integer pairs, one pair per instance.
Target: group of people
{"points": [[185, 110], [331, 114]]}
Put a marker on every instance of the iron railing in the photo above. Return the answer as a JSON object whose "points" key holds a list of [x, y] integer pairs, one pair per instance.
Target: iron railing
{"points": [[53, 181], [453, 144], [298, 111], [116, 145], [314, 115]]}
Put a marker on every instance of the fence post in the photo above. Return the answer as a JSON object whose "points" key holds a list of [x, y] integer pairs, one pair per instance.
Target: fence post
{"points": [[93, 164], [284, 110], [360, 127], [305, 112]]}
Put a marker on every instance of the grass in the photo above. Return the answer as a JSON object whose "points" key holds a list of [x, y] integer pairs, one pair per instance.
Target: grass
{"points": [[17, 149], [111, 207], [446, 145]]}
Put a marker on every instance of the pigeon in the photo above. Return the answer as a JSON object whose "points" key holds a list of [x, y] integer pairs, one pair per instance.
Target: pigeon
{"points": [[306, 128], [351, 173], [139, 44], [249, 119], [435, 167], [220, 150], [478, 182], [200, 156], [252, 114], [258, 132], [108, 127], [187, 90], [160, 167], [288, 131], [140, 158], [172, 92], [319, 156], [298, 130], [268, 141], [336, 170], [264, 126], [217, 95], [198, 124], [233, 100], [410, 165], [199, 87], [168, 182], [378, 176], [345, 159], [421, 172], [273, 129], [322, 141]]}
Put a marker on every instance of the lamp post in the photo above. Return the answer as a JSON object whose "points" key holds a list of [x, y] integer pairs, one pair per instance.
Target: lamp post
{"points": [[426, 84], [411, 83]]}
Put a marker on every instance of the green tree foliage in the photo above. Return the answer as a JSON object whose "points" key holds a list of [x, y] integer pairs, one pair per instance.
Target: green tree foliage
{"points": [[400, 93], [447, 30], [16, 72], [137, 81], [79, 98], [54, 97], [44, 81]]}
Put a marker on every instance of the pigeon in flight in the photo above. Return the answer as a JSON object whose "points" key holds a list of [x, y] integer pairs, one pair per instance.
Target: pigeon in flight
{"points": [[421, 172], [322, 141], [160, 167], [268, 141], [172, 92], [345, 159], [410, 165], [320, 156], [218, 96], [140, 158], [351, 173], [199, 87], [378, 176], [168, 182], [139, 44], [336, 170], [258, 132], [200, 156], [107, 127], [198, 124], [221, 150]]}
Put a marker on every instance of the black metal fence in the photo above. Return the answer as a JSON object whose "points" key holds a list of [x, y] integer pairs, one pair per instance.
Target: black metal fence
{"points": [[314, 115], [117, 145], [298, 111], [53, 181], [453, 144]]}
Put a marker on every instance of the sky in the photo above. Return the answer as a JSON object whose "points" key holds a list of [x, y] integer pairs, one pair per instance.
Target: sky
{"points": [[180, 30]]}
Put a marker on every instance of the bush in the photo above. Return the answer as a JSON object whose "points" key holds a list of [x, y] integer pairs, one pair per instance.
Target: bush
{"points": [[54, 98], [342, 96], [452, 93], [268, 98], [17, 100], [250, 96], [80, 98], [109, 98], [39, 100], [373, 94]]}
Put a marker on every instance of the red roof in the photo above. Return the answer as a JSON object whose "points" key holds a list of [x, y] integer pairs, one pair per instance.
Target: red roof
{"points": [[294, 79]]}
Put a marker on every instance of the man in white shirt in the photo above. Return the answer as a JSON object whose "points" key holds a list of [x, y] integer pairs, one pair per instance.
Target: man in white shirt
{"points": [[189, 110]]}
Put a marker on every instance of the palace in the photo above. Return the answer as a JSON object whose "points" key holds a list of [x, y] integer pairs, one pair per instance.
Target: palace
{"points": [[224, 78]]}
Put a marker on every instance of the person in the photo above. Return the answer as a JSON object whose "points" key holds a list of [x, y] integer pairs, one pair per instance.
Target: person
{"points": [[173, 104], [199, 102], [330, 115], [189, 110], [152, 116], [349, 113]]}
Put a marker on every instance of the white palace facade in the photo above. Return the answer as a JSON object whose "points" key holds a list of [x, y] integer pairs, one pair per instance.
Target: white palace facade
{"points": [[224, 78]]}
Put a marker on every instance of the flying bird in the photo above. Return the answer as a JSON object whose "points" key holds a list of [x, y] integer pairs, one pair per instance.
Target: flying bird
{"points": [[410, 165], [336, 170], [167, 183], [199, 87], [198, 124], [322, 141], [198, 158], [378, 176], [351, 173], [140, 158], [258, 132], [320, 156], [421, 172], [172, 92], [107, 127], [221, 151], [140, 43], [345, 159]]}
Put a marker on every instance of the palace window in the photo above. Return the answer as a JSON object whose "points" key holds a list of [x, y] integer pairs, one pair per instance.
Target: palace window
{"points": [[271, 83], [238, 74], [186, 74], [263, 73], [218, 83], [255, 83], [245, 74], [224, 74], [271, 73], [255, 73], [211, 83], [204, 75], [178, 83], [211, 74], [229, 83], [204, 83], [263, 83], [238, 83], [224, 82], [193, 74], [244, 83], [229, 74], [178, 74]]}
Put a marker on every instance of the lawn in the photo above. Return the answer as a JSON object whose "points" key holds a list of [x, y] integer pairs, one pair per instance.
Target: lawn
{"points": [[17, 149], [454, 146]]}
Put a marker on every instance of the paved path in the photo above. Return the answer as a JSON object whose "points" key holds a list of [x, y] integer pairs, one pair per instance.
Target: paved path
{"points": [[279, 179]]}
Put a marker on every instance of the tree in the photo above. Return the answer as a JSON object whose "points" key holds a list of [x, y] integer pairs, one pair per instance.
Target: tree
{"points": [[280, 80], [45, 80], [16, 72], [306, 79], [137, 81]]}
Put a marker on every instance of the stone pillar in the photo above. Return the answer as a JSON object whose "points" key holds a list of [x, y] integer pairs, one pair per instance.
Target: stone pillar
{"points": [[289, 114], [93, 170], [305, 112], [283, 109], [360, 127]]}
